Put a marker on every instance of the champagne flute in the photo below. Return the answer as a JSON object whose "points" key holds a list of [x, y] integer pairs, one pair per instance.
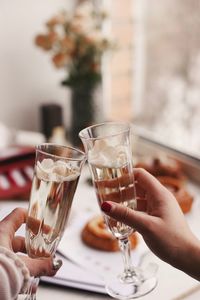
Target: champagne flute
{"points": [[109, 154], [56, 175]]}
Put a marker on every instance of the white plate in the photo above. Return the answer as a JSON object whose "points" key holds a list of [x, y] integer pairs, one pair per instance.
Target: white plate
{"points": [[99, 262]]}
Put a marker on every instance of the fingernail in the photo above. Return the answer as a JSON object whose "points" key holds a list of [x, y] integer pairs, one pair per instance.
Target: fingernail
{"points": [[106, 207], [57, 263]]}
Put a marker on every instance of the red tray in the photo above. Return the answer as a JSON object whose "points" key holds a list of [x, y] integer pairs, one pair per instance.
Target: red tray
{"points": [[16, 171]]}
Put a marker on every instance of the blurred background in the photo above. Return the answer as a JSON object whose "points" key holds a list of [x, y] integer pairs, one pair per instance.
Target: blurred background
{"points": [[65, 65], [149, 71]]}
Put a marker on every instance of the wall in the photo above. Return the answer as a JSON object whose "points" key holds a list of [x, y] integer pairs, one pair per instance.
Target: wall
{"points": [[27, 77]]}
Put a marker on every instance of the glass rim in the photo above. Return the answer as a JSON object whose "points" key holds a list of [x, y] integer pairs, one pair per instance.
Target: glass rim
{"points": [[37, 148], [127, 124]]}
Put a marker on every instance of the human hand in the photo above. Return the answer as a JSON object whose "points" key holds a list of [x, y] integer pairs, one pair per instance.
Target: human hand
{"points": [[8, 226], [163, 226]]}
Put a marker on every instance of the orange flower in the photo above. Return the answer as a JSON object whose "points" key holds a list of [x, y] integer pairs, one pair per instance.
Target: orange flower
{"points": [[42, 41], [60, 60], [52, 38], [59, 19], [74, 41], [46, 41], [67, 44], [76, 28]]}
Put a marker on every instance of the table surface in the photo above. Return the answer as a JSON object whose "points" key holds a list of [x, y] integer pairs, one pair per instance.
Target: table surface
{"points": [[51, 292], [172, 283]]}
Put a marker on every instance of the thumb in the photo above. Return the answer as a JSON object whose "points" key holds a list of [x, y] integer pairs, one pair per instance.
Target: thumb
{"points": [[135, 219], [40, 267]]}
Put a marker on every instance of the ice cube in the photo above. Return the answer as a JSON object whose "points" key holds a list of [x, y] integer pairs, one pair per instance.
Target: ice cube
{"points": [[105, 155], [60, 170], [47, 163], [99, 145], [43, 174], [96, 154], [60, 163], [109, 152], [122, 155], [72, 176]]}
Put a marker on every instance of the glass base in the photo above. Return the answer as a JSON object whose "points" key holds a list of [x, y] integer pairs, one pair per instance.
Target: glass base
{"points": [[135, 285], [31, 292]]}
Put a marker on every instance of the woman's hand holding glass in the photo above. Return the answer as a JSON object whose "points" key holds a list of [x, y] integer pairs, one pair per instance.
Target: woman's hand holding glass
{"points": [[8, 227], [164, 227], [56, 175], [109, 152]]}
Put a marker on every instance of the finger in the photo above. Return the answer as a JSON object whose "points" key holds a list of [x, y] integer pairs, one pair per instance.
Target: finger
{"points": [[35, 225], [118, 196], [136, 219], [18, 244], [122, 181], [40, 267], [140, 192], [147, 181], [142, 205], [14, 220]]}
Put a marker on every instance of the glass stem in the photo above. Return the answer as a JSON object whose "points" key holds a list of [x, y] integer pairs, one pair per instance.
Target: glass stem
{"points": [[31, 293], [129, 274], [124, 245]]}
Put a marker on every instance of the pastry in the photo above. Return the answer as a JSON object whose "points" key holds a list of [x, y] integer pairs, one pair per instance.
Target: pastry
{"points": [[159, 167], [184, 198], [169, 173], [95, 235]]}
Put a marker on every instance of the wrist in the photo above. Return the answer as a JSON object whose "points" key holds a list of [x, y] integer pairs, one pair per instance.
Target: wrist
{"points": [[189, 259], [19, 265]]}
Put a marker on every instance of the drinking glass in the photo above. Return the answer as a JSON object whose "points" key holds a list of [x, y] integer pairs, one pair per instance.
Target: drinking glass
{"points": [[109, 154], [56, 175]]}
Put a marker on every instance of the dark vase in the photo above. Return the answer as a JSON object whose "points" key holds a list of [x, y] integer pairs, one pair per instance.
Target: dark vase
{"points": [[82, 110]]}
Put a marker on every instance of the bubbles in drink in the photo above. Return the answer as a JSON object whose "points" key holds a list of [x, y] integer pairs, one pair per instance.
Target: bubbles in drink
{"points": [[105, 154], [112, 173], [53, 188]]}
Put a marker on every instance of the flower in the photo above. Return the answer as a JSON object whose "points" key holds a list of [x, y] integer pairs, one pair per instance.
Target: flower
{"points": [[76, 43]]}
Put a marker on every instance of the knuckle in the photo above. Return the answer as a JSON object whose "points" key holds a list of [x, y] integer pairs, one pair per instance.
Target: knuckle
{"points": [[151, 229], [46, 267], [43, 269], [19, 211], [140, 170], [2, 230], [43, 272], [125, 214], [139, 173], [22, 210]]}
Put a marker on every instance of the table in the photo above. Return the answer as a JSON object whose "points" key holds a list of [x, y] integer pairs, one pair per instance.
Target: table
{"points": [[172, 283], [160, 293], [52, 293]]}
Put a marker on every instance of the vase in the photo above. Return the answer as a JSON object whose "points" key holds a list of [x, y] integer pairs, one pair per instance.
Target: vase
{"points": [[83, 109]]}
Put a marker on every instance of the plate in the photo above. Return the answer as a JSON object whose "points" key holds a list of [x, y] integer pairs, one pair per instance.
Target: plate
{"points": [[99, 262]]}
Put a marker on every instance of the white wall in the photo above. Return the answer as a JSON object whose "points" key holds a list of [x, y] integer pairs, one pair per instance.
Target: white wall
{"points": [[27, 76]]}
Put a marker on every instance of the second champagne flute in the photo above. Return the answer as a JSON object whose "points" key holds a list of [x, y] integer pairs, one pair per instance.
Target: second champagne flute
{"points": [[56, 174], [108, 148]]}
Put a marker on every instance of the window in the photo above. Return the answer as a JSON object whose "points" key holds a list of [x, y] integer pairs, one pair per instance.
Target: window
{"points": [[123, 69]]}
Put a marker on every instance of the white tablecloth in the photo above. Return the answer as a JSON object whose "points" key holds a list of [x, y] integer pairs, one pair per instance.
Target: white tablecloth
{"points": [[172, 283]]}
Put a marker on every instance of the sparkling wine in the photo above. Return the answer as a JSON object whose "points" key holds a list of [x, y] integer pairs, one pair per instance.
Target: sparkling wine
{"points": [[115, 184], [50, 203]]}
